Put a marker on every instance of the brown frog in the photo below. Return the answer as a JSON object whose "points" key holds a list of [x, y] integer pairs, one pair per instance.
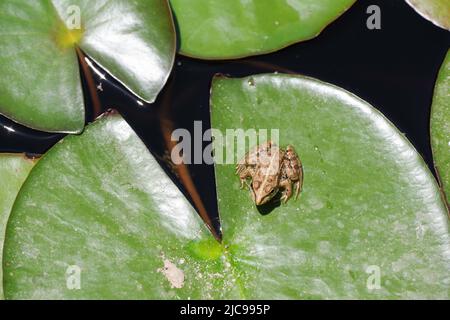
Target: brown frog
{"points": [[271, 169]]}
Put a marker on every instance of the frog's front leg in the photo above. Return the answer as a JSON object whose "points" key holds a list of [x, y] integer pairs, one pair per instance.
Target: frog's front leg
{"points": [[244, 173], [286, 185]]}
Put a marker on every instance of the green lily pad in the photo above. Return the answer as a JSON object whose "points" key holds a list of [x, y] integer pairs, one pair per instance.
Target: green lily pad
{"points": [[436, 11], [40, 85], [100, 204], [234, 28], [440, 126], [98, 218], [13, 171], [369, 202]]}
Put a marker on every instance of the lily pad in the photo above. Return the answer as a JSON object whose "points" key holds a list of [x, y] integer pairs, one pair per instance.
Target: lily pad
{"points": [[369, 202], [440, 126], [13, 171], [436, 11], [234, 28], [40, 85], [98, 218], [99, 204]]}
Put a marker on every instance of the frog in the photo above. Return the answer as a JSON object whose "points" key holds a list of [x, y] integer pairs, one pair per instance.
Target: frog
{"points": [[268, 169]]}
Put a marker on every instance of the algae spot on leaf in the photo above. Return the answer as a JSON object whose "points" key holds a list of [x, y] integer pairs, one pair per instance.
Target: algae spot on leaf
{"points": [[67, 39], [173, 274]]}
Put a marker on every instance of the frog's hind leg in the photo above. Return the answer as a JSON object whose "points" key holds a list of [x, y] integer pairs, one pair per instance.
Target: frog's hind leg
{"points": [[299, 182], [298, 188], [286, 185]]}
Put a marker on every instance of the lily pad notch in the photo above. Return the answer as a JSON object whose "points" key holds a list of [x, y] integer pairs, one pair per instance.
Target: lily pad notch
{"points": [[134, 42]]}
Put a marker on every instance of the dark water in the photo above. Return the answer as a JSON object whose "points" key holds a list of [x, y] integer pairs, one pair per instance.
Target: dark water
{"points": [[394, 69]]}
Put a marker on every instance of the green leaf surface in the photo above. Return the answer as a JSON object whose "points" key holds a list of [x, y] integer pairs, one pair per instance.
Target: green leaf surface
{"points": [[40, 85], [440, 125], [368, 199], [99, 203], [436, 11], [236, 28], [13, 171]]}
